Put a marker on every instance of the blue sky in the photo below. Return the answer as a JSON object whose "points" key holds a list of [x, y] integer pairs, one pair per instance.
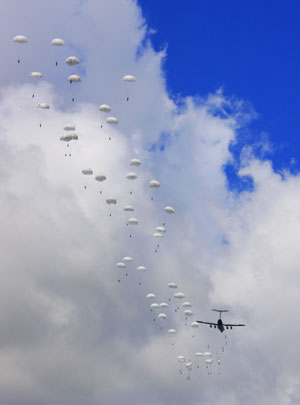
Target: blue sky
{"points": [[251, 49]]}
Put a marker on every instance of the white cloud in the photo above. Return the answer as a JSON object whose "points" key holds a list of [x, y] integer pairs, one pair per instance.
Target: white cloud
{"points": [[70, 333]]}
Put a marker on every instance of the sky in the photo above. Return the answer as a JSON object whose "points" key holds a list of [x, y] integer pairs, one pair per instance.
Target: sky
{"points": [[70, 331], [249, 50]]}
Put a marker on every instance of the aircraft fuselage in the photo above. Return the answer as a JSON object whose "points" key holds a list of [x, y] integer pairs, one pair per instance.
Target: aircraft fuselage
{"points": [[220, 325]]}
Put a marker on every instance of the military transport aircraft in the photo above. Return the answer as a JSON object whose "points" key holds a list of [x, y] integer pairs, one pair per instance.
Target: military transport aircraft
{"points": [[220, 325]]}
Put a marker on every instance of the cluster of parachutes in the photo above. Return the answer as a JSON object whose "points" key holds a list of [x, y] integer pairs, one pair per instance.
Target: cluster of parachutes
{"points": [[161, 310]]}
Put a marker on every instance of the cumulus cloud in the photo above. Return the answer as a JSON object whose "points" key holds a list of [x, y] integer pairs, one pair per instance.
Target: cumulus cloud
{"points": [[70, 332]]}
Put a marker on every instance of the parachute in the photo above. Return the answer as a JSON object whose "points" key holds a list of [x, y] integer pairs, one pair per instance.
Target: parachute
{"points": [[72, 61], [69, 127], [161, 229], [132, 221], [154, 184], [131, 176], [127, 259], [172, 331], [162, 316], [188, 312], [129, 78], [104, 108], [195, 325], [43, 106], [186, 304], [57, 42], [181, 359], [172, 285], [20, 39], [111, 200], [179, 295], [135, 162], [154, 306], [141, 268], [150, 296], [121, 265], [35, 75], [87, 171], [69, 137], [128, 208], [163, 305], [157, 235], [169, 210], [100, 177], [112, 120]]}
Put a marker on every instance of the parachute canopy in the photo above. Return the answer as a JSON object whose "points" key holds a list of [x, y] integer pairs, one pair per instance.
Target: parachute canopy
{"points": [[172, 285], [87, 171], [57, 42], [169, 210], [150, 295], [162, 316], [179, 295], [127, 259], [131, 176], [20, 39], [186, 304], [163, 305], [74, 78], [43, 106], [154, 184], [111, 200], [160, 229], [172, 331], [129, 78], [35, 75], [132, 221], [100, 177], [141, 268], [158, 235], [69, 137], [135, 162], [188, 312], [72, 61], [154, 305], [121, 265], [69, 127], [195, 325], [104, 108], [181, 359], [128, 208], [112, 120]]}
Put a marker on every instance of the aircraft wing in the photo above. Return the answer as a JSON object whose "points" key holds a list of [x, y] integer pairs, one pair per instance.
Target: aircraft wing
{"points": [[233, 324], [208, 323]]}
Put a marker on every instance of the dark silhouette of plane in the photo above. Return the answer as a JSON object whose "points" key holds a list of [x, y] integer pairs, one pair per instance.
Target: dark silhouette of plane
{"points": [[220, 325]]}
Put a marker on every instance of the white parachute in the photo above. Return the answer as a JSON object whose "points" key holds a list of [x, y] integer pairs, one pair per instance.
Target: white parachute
{"points": [[87, 172], [169, 210], [128, 208], [135, 162], [127, 259], [112, 120], [104, 108], [154, 184], [132, 221], [58, 42], [121, 265], [35, 75], [131, 176], [72, 61], [179, 295], [172, 285], [150, 296], [100, 177], [129, 78]]}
